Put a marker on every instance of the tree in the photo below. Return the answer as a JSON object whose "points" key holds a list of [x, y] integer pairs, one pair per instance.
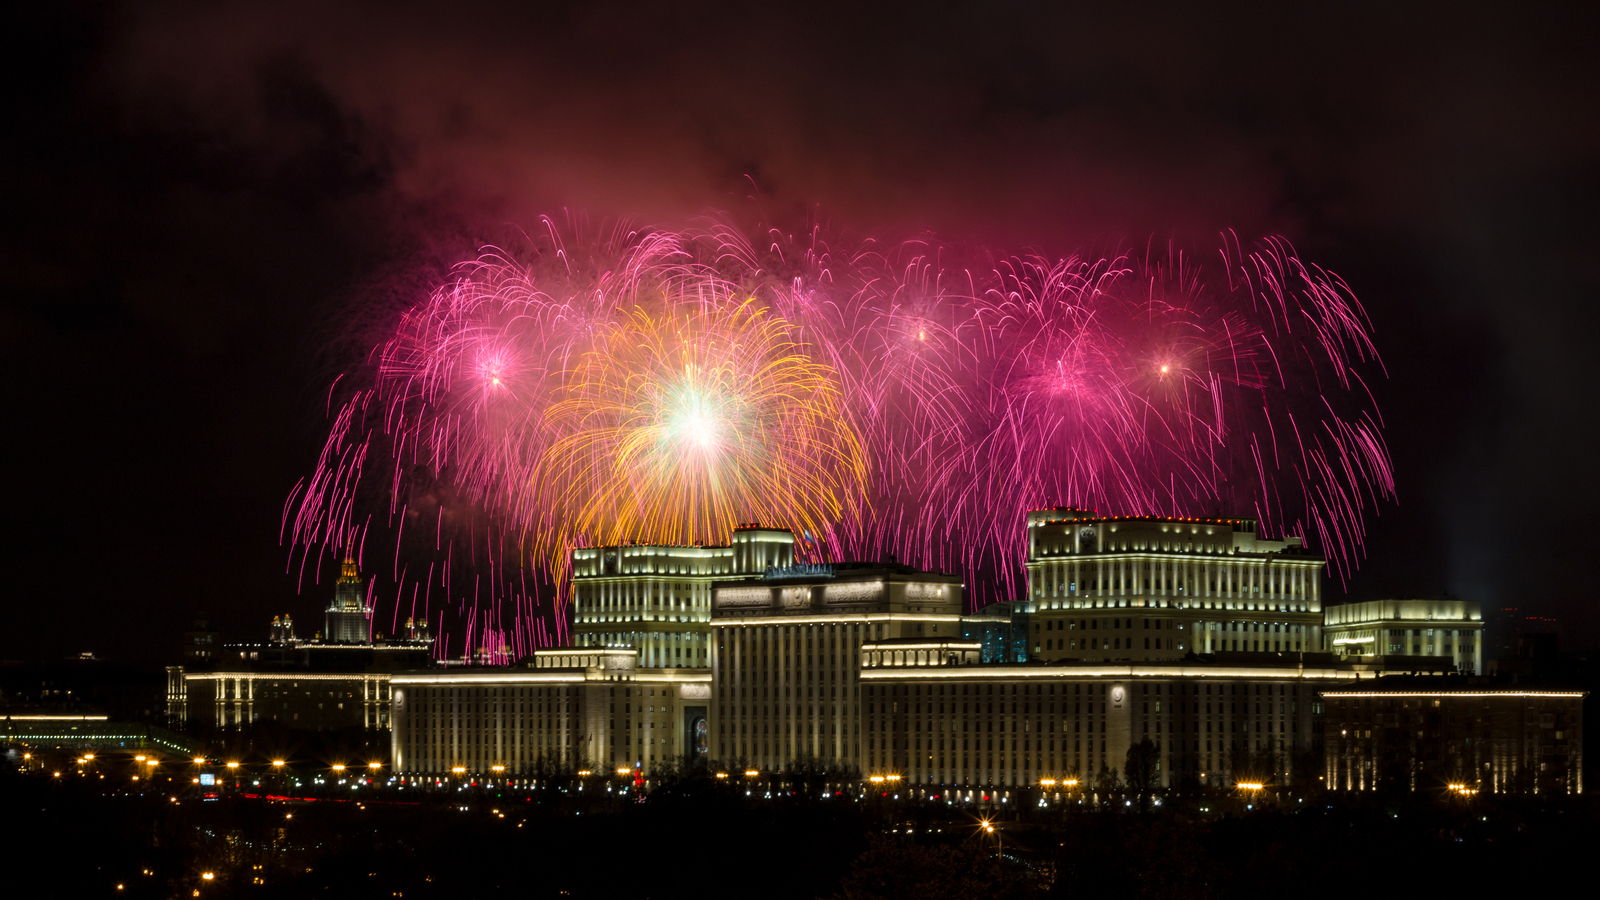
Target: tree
{"points": [[1141, 771]]}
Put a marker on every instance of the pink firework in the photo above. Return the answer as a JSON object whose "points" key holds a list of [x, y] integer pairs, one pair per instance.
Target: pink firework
{"points": [[1232, 382]]}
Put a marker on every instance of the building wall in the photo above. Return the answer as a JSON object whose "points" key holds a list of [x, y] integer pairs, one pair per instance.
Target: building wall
{"points": [[575, 707], [785, 657], [1496, 740], [1452, 629], [657, 598], [320, 702], [1015, 725], [1156, 588]]}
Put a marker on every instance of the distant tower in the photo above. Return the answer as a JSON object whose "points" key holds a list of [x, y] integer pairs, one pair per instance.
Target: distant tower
{"points": [[348, 617], [201, 644], [417, 630], [282, 629]]}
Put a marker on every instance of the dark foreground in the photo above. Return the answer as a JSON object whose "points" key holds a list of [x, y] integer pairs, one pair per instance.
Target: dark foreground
{"points": [[700, 838]]}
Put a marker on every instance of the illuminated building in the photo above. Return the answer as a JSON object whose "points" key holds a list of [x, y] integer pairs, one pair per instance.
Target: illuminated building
{"points": [[1196, 635], [200, 643], [1150, 588], [315, 701], [348, 618], [1001, 629], [1378, 631], [657, 598], [936, 719], [566, 706], [786, 654], [318, 685], [1417, 733]]}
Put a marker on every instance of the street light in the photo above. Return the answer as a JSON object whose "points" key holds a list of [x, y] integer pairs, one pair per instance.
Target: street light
{"points": [[988, 828], [278, 763], [233, 765], [374, 766]]}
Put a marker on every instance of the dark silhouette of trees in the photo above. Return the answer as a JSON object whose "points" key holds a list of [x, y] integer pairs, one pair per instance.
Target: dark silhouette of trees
{"points": [[1141, 772]]}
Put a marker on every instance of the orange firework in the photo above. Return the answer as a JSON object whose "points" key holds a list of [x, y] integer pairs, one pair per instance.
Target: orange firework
{"points": [[687, 417]]}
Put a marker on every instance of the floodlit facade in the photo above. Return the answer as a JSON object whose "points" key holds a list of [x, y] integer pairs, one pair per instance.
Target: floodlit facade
{"points": [[316, 701], [1194, 634], [657, 598], [1472, 734], [932, 718], [1372, 630], [317, 685], [567, 707], [1155, 588], [786, 648], [348, 618]]}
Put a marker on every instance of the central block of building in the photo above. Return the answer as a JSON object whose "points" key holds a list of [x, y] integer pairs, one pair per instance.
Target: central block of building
{"points": [[786, 651]]}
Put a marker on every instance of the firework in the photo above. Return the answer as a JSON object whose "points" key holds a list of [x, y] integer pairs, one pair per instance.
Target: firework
{"points": [[683, 420], [661, 386]]}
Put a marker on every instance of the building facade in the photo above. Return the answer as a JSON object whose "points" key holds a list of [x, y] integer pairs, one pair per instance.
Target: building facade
{"points": [[1155, 588], [317, 685], [1373, 630], [935, 719], [657, 598], [1417, 733], [315, 701], [567, 708], [786, 650], [348, 618], [1002, 630], [1193, 634]]}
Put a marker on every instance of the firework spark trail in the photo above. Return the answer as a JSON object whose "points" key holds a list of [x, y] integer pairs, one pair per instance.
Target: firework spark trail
{"points": [[659, 386]]}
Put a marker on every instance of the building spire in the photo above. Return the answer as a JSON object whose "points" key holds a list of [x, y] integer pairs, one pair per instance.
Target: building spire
{"points": [[348, 572]]}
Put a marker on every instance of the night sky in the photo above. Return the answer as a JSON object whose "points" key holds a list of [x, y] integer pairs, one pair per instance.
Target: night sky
{"points": [[209, 208]]}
